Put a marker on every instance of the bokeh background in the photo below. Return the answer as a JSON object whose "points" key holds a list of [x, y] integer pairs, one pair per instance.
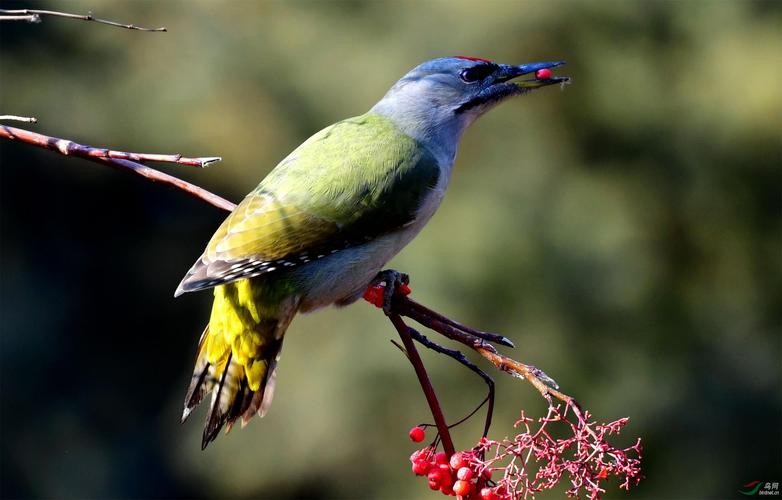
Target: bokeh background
{"points": [[625, 232]]}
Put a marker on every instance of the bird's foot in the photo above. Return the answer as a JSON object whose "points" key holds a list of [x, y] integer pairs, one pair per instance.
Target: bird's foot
{"points": [[386, 284]]}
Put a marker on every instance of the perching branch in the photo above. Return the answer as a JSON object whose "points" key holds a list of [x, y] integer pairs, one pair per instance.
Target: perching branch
{"points": [[547, 387], [34, 16], [121, 160], [461, 358], [426, 385]]}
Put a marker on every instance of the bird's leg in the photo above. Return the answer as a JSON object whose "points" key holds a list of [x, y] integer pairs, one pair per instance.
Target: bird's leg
{"points": [[390, 281]]}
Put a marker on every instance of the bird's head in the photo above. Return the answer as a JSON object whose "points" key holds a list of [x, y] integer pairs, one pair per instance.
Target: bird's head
{"points": [[440, 98]]}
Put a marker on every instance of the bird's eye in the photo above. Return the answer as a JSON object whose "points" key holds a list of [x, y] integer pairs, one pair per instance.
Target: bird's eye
{"points": [[476, 73]]}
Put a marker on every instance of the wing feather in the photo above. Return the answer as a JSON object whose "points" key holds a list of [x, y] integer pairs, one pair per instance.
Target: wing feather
{"points": [[345, 185]]}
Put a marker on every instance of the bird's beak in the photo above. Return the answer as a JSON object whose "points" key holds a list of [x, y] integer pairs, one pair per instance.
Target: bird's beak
{"points": [[509, 72], [502, 88]]}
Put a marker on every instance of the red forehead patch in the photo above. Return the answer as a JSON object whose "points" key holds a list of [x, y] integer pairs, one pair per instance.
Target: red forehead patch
{"points": [[473, 58]]}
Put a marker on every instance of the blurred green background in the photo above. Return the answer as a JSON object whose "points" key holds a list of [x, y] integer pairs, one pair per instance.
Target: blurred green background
{"points": [[624, 232]]}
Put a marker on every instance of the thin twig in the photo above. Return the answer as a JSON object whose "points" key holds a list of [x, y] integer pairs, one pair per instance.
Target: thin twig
{"points": [[405, 306], [26, 119], [426, 384], [68, 148], [33, 16], [461, 358], [122, 161], [527, 372]]}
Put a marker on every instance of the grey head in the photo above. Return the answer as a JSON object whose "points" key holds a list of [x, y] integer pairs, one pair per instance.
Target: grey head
{"points": [[437, 100]]}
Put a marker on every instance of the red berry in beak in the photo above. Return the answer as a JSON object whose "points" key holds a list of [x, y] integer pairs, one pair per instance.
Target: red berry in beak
{"points": [[543, 74]]}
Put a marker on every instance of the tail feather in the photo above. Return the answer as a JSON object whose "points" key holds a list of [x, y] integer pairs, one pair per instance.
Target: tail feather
{"points": [[270, 383], [237, 362], [218, 413], [260, 401], [231, 396], [241, 404], [199, 386]]}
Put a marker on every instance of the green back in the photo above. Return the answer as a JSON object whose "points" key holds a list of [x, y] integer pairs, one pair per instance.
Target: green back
{"points": [[348, 183]]}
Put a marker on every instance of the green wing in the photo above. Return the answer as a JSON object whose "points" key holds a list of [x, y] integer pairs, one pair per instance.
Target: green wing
{"points": [[347, 184]]}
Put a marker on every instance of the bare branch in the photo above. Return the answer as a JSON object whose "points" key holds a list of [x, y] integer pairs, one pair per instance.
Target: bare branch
{"points": [[68, 148], [426, 384], [461, 358], [26, 119], [33, 16], [123, 161], [405, 306]]}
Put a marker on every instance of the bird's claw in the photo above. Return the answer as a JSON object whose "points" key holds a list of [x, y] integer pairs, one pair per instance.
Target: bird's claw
{"points": [[386, 284]]}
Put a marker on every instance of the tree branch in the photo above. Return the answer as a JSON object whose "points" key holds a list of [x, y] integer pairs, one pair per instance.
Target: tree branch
{"points": [[426, 384], [34, 16], [121, 160], [26, 119], [461, 358], [404, 306]]}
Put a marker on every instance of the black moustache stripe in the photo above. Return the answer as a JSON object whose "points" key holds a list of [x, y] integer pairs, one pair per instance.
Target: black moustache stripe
{"points": [[490, 95]]}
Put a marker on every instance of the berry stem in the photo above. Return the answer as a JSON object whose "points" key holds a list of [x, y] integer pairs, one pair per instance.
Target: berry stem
{"points": [[426, 384], [458, 356]]}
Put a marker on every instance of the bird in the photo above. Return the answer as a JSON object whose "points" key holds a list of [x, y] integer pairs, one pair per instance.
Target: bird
{"points": [[320, 227]]}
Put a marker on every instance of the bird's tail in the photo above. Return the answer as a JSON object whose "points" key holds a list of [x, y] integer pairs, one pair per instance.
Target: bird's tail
{"points": [[237, 355]]}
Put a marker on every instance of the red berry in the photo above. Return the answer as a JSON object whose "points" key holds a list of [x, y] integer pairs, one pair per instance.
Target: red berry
{"points": [[434, 485], [434, 475], [447, 490], [374, 295], [488, 494], [464, 473], [543, 74], [417, 434], [603, 473], [441, 458], [486, 474], [461, 487], [420, 467], [457, 460], [446, 479]]}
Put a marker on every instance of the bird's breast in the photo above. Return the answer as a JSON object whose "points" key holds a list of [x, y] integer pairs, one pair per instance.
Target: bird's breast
{"points": [[343, 276]]}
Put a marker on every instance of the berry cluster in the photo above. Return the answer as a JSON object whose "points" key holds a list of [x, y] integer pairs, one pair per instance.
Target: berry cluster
{"points": [[565, 445], [455, 476]]}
